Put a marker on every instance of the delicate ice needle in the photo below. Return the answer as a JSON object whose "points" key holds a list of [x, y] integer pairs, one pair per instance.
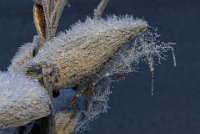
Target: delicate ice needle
{"points": [[152, 82]]}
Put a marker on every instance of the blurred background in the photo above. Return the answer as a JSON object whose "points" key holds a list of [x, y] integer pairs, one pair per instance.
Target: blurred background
{"points": [[175, 106]]}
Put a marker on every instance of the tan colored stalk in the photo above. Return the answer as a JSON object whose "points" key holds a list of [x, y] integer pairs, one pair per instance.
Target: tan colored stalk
{"points": [[100, 9]]}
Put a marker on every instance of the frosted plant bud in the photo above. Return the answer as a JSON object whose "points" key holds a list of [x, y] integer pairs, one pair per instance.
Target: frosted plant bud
{"points": [[83, 50], [22, 100], [24, 54]]}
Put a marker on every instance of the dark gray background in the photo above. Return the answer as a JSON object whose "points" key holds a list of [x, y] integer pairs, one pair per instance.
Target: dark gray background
{"points": [[175, 107]]}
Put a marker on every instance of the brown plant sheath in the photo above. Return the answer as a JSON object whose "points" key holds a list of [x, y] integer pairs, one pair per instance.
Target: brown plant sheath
{"points": [[39, 20]]}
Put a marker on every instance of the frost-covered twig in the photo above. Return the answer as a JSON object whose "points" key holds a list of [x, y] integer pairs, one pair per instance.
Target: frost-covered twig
{"points": [[46, 15], [100, 9], [56, 14], [47, 12], [49, 81]]}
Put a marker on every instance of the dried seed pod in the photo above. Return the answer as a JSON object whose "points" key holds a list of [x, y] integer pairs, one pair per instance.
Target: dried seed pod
{"points": [[86, 47], [22, 100]]}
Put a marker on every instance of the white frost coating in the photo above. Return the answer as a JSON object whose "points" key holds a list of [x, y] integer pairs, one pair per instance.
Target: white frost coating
{"points": [[22, 100], [24, 54], [90, 26], [97, 26]]}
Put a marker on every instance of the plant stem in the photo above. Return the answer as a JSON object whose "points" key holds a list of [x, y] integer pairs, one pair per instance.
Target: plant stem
{"points": [[100, 9]]}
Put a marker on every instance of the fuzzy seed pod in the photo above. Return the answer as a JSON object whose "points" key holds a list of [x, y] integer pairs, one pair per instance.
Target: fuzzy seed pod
{"points": [[86, 47], [22, 100]]}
